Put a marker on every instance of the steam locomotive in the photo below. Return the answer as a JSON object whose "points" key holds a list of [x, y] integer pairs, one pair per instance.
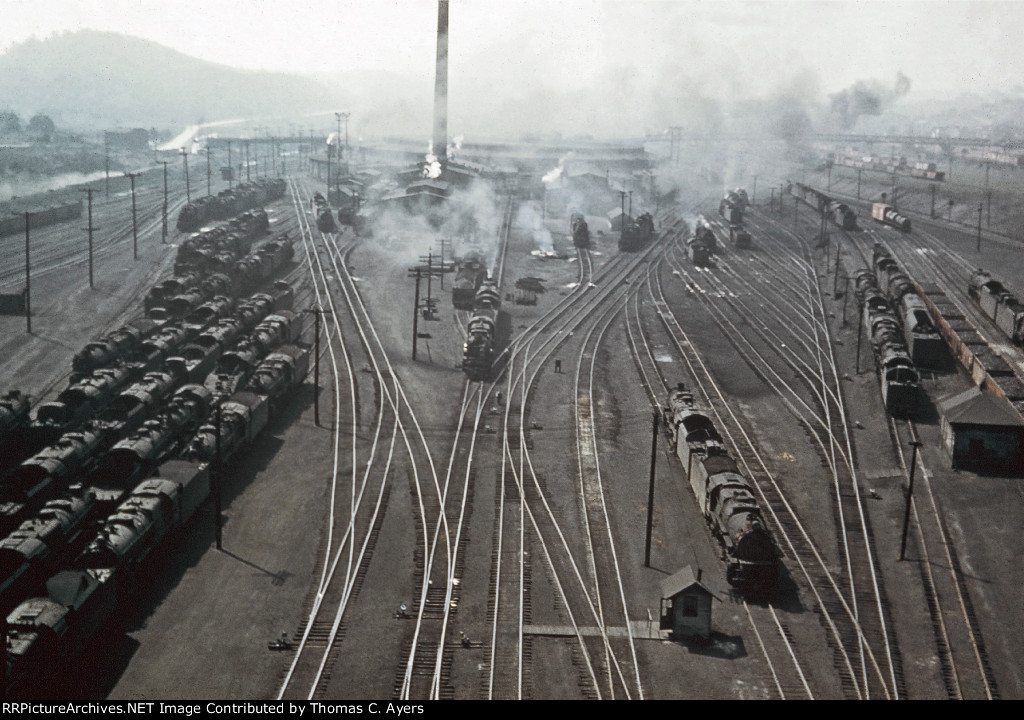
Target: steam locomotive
{"points": [[478, 350], [725, 497], [924, 343], [636, 233], [580, 231]]}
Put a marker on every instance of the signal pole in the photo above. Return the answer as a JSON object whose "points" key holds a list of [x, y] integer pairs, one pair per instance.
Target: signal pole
{"points": [[135, 226], [89, 192]]}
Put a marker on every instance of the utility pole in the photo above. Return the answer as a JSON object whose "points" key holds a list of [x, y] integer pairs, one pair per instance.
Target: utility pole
{"points": [[188, 187], [89, 192], [771, 201], [910, 495], [163, 236], [859, 170], [980, 208], [933, 200], [894, 191], [317, 312], [219, 477], [247, 161], [753, 193], [444, 243], [829, 175], [860, 326], [231, 169], [418, 272], [208, 174], [28, 279], [650, 489], [135, 225], [106, 164]]}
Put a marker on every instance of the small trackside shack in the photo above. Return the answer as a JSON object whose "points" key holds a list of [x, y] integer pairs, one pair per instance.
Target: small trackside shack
{"points": [[686, 606]]}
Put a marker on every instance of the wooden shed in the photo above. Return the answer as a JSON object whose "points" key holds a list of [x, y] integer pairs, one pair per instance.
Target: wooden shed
{"points": [[686, 605], [982, 432]]}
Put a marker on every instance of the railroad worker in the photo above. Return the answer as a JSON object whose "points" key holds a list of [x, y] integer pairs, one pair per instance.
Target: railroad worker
{"points": [[499, 397], [558, 366]]}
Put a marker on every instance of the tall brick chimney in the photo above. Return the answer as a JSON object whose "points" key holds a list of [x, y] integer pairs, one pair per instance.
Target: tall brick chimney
{"points": [[440, 140]]}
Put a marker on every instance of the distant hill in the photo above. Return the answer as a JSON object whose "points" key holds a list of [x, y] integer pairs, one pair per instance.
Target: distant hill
{"points": [[89, 78]]}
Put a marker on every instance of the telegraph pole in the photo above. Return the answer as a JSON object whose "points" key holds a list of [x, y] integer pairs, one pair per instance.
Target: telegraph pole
{"points": [[89, 192], [208, 190], [650, 489], [163, 237], [247, 161], [418, 272], [188, 187], [106, 164], [28, 280], [219, 477], [231, 169], [415, 314], [135, 226], [980, 208]]}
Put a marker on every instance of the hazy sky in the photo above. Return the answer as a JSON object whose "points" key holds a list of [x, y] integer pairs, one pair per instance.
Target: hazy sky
{"points": [[953, 44]]}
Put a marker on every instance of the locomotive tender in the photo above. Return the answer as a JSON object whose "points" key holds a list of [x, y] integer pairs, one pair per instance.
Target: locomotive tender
{"points": [[725, 497]]}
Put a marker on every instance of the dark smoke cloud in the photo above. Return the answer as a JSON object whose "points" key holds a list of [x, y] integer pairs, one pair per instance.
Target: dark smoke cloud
{"points": [[866, 97]]}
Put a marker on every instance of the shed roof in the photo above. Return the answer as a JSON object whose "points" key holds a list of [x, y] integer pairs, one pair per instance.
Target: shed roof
{"points": [[976, 407], [681, 581]]}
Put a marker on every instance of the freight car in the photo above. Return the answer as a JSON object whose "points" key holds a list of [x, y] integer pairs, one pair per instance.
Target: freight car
{"points": [[739, 237], [726, 498], [15, 224], [579, 230], [472, 272], [636, 233], [889, 215], [999, 304], [229, 203], [478, 351]]}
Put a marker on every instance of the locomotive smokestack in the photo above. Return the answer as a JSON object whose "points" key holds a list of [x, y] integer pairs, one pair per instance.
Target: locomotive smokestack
{"points": [[440, 147]]}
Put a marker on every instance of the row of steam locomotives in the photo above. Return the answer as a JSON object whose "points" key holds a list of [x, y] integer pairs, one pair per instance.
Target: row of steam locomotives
{"points": [[924, 343], [229, 203], [138, 398], [471, 273], [838, 213], [725, 497], [899, 379], [69, 566], [479, 350], [100, 568], [579, 230]]}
